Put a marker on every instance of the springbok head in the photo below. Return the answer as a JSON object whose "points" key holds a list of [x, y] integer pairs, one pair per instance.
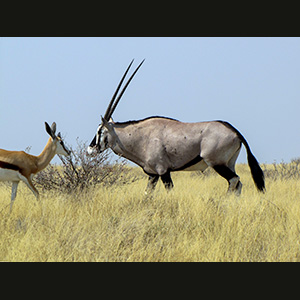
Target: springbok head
{"points": [[101, 141], [57, 141]]}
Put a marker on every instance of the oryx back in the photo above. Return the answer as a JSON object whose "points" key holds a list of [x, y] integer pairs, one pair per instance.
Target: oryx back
{"points": [[163, 144]]}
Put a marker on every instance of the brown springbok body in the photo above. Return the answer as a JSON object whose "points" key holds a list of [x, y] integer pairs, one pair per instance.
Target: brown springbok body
{"points": [[19, 166], [161, 145]]}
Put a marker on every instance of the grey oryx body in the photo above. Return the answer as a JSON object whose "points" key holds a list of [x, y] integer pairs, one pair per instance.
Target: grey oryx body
{"points": [[161, 145]]}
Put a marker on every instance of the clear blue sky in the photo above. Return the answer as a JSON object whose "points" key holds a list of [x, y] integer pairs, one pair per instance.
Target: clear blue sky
{"points": [[253, 83]]}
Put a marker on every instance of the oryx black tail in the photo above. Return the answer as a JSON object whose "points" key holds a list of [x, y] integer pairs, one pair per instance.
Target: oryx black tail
{"points": [[256, 171]]}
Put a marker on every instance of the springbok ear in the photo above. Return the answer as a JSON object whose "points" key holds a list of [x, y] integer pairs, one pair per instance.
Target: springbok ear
{"points": [[49, 130], [53, 127]]}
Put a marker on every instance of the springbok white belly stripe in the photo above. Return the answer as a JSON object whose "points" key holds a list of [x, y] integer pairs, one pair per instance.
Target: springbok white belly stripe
{"points": [[9, 175]]}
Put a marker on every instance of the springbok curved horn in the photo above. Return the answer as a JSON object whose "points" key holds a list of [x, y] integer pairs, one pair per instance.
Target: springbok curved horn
{"points": [[107, 113], [122, 92]]}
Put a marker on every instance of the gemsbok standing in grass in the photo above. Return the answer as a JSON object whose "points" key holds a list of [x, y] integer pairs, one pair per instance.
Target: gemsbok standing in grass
{"points": [[19, 166], [162, 145]]}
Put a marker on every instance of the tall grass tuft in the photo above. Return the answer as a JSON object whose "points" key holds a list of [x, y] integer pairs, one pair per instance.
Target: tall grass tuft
{"points": [[196, 221]]}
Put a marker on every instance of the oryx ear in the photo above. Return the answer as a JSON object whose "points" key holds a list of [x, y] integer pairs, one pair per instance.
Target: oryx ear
{"points": [[49, 130], [106, 125], [104, 122]]}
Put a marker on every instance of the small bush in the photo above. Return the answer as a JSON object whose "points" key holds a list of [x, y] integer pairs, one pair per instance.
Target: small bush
{"points": [[283, 170], [80, 171]]}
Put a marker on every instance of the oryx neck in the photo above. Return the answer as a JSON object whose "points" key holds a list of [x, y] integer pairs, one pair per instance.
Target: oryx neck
{"points": [[122, 146]]}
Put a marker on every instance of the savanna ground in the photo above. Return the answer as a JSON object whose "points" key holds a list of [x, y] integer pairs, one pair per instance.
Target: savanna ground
{"points": [[197, 221]]}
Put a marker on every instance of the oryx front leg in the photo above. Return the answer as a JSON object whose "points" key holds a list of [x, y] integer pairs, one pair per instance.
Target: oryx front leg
{"points": [[152, 181], [166, 179]]}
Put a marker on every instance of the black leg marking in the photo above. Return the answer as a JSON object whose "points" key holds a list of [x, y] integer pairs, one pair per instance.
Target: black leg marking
{"points": [[224, 172], [152, 181], [166, 179], [231, 177]]}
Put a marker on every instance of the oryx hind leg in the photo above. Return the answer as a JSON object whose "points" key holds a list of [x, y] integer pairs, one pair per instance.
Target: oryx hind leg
{"points": [[231, 164], [233, 179]]}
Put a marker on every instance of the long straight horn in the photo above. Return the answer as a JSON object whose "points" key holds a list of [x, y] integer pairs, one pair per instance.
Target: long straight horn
{"points": [[107, 113], [124, 88]]}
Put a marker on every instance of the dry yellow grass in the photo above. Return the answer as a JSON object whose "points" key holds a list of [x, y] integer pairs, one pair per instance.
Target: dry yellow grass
{"points": [[197, 221]]}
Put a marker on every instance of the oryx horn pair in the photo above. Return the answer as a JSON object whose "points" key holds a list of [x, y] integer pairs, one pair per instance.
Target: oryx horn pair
{"points": [[114, 102]]}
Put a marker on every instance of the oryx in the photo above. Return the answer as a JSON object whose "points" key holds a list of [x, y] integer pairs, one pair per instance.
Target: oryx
{"points": [[161, 145], [19, 166]]}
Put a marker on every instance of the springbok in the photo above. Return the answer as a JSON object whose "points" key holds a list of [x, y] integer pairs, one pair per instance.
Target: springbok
{"points": [[161, 145], [19, 166]]}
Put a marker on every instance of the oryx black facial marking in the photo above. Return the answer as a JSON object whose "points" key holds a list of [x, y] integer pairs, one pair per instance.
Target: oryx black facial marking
{"points": [[161, 145], [101, 139], [93, 142], [106, 142]]}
